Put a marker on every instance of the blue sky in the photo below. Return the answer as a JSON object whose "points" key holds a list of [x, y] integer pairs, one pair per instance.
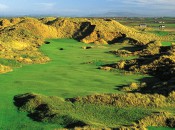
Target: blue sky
{"points": [[86, 7]]}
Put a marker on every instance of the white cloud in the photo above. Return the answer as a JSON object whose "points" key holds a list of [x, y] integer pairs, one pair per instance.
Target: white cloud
{"points": [[3, 7]]}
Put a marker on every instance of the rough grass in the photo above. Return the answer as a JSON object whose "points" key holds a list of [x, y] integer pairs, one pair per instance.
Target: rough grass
{"points": [[130, 99], [94, 114], [64, 76], [55, 110]]}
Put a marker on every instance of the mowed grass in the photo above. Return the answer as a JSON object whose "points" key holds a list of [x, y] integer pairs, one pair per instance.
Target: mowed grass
{"points": [[66, 75]]}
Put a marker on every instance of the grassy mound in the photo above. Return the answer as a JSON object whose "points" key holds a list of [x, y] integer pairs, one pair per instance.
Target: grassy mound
{"points": [[41, 108], [71, 115], [86, 112]]}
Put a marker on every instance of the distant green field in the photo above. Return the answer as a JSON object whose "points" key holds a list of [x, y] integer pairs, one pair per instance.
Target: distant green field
{"points": [[160, 33], [71, 72]]}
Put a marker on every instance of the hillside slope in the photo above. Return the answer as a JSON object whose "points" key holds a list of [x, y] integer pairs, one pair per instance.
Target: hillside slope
{"points": [[20, 37]]}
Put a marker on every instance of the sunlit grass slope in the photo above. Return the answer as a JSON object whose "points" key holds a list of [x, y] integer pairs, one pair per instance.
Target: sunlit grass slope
{"points": [[71, 72]]}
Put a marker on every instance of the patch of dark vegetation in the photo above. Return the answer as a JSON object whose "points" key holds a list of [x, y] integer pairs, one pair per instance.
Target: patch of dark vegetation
{"points": [[171, 122]]}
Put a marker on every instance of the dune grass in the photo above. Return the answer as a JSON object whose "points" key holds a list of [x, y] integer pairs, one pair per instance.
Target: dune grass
{"points": [[71, 72]]}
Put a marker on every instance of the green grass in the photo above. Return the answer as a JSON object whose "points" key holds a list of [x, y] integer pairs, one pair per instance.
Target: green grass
{"points": [[108, 116], [160, 33], [166, 43], [160, 128], [65, 76]]}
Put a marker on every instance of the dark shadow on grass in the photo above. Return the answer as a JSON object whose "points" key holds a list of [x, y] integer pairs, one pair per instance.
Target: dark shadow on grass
{"points": [[22, 99], [41, 112], [132, 48], [76, 124]]}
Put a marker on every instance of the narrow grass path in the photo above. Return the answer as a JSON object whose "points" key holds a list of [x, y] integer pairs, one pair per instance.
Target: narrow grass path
{"points": [[65, 76]]}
